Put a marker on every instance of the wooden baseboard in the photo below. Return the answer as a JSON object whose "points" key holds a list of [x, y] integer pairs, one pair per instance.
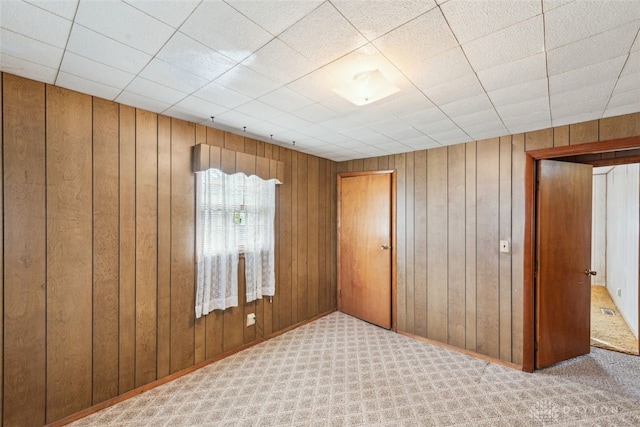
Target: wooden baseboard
{"points": [[102, 405], [463, 351]]}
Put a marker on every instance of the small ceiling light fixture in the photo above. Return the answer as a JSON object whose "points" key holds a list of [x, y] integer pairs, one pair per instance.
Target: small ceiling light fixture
{"points": [[367, 87]]}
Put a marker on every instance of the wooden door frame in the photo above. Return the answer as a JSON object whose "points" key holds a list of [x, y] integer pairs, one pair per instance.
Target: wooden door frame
{"points": [[341, 175], [531, 159]]}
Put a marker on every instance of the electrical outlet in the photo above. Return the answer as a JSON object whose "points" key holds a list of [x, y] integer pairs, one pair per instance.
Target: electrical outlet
{"points": [[504, 246], [619, 292], [251, 319]]}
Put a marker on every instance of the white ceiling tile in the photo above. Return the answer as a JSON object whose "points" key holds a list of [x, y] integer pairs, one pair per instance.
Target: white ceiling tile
{"points": [[274, 19], [394, 147], [82, 67], [417, 41], [523, 108], [86, 86], [581, 19], [632, 66], [369, 151], [423, 116], [334, 138], [548, 5], [586, 76], [63, 8], [353, 144], [139, 101], [279, 62], [628, 82], [221, 27], [404, 134], [237, 119], [480, 132], [125, 24], [30, 70], [289, 121], [316, 86], [24, 18], [315, 113], [576, 113], [474, 119], [421, 143], [514, 94], [103, 49], [440, 69], [286, 99], [376, 18], [157, 92], [599, 90], [454, 136], [436, 127], [360, 134], [184, 52], [27, 49], [530, 122], [259, 110], [390, 125], [514, 73], [379, 140], [341, 123], [247, 82], [315, 130], [201, 108], [470, 20], [168, 75], [218, 94], [622, 99], [601, 47], [173, 13], [323, 35], [189, 115], [516, 42], [455, 91], [338, 104], [267, 129]]}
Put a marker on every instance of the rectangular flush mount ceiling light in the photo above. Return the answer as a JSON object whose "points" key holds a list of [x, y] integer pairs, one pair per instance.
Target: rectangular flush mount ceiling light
{"points": [[367, 87]]}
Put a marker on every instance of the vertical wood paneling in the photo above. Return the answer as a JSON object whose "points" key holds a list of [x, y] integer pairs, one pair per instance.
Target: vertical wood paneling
{"points": [[561, 136], [69, 252], [333, 260], [126, 256], [24, 245], [619, 127], [1, 257], [539, 139], [127, 295], [471, 251], [410, 239], [421, 285], [146, 246], [295, 191], [437, 240], [233, 142], [182, 246], [303, 237], [357, 165], [106, 211], [487, 297], [313, 229], [517, 248], [401, 239], [164, 247], [582, 133], [505, 258], [200, 324], [282, 299], [456, 305], [263, 170], [370, 164]]}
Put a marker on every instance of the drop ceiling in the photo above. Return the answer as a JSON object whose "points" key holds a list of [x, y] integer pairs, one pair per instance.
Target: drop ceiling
{"points": [[467, 69]]}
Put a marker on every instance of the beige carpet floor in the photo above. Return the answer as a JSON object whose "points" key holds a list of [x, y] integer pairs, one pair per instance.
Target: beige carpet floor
{"points": [[609, 332], [340, 371]]}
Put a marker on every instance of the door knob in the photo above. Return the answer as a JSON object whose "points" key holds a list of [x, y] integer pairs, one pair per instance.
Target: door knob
{"points": [[590, 272], [384, 247]]}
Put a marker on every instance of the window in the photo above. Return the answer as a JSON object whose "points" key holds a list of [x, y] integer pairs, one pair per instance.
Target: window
{"points": [[235, 214]]}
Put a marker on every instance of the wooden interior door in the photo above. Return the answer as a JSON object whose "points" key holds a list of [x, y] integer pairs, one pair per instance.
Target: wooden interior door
{"points": [[364, 247], [563, 257]]}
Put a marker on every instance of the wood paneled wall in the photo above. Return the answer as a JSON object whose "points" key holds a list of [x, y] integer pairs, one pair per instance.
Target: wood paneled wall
{"points": [[98, 249], [454, 205]]}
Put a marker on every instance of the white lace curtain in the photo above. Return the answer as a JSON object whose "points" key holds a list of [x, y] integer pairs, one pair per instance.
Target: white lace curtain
{"points": [[234, 214]]}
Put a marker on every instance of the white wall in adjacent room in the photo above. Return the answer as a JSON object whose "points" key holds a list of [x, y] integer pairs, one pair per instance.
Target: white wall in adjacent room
{"points": [[622, 240]]}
